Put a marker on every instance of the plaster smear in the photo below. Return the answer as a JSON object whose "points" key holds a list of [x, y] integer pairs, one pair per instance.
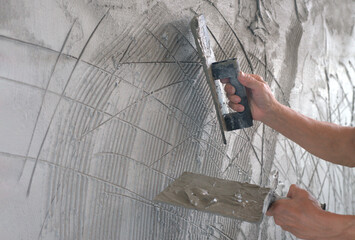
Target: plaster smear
{"points": [[104, 103]]}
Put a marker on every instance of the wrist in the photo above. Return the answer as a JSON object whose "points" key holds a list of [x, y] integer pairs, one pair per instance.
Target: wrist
{"points": [[273, 114]]}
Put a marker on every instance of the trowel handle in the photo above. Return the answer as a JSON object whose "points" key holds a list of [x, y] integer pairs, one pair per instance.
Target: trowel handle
{"points": [[230, 69], [240, 90], [277, 197]]}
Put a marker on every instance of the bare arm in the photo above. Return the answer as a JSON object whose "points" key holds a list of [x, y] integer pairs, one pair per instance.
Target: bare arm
{"points": [[301, 215], [328, 141]]}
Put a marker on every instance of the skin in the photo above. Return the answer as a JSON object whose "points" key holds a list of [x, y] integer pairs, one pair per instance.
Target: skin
{"points": [[300, 214]]}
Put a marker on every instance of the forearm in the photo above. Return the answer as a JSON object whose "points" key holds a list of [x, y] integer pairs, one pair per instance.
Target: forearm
{"points": [[326, 140], [336, 226]]}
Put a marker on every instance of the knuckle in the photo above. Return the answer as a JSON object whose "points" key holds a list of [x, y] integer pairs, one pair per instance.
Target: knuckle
{"points": [[265, 85], [305, 194]]}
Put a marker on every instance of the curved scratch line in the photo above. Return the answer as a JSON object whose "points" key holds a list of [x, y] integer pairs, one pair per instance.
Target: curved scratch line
{"points": [[61, 97], [185, 38], [48, 212], [44, 96], [219, 45]]}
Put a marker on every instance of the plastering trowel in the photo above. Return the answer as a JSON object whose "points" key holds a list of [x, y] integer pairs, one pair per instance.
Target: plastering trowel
{"points": [[227, 119], [232, 199], [243, 201]]}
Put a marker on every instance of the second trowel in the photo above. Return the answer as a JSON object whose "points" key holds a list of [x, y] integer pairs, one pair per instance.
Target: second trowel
{"points": [[233, 199]]}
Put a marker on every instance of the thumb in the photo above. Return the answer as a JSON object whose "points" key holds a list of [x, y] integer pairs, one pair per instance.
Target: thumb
{"points": [[248, 80], [273, 206], [293, 191], [277, 206], [270, 211]]}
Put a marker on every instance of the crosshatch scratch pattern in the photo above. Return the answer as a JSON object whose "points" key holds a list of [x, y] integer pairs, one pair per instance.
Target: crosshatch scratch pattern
{"points": [[96, 126]]}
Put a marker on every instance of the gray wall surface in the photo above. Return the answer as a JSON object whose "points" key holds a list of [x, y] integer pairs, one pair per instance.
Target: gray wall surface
{"points": [[103, 103]]}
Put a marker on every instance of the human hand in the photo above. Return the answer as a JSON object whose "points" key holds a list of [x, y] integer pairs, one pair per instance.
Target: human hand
{"points": [[260, 97], [302, 216]]}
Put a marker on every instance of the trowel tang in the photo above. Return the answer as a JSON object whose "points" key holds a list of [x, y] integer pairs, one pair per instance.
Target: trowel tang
{"points": [[230, 69]]}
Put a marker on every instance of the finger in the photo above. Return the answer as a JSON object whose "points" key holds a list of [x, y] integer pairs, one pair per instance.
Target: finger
{"points": [[230, 90], [292, 192], [236, 107], [277, 207], [248, 81], [272, 209], [257, 77], [270, 212], [224, 80], [234, 98]]}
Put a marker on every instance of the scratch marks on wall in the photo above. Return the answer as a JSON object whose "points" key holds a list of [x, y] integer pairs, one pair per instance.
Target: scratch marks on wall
{"points": [[45, 91], [124, 124], [55, 110]]}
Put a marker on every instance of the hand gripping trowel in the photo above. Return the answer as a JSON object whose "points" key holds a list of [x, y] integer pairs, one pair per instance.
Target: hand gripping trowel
{"points": [[228, 120]]}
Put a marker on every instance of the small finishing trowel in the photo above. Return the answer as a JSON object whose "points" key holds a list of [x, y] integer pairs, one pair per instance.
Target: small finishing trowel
{"points": [[243, 201], [228, 120], [232, 199]]}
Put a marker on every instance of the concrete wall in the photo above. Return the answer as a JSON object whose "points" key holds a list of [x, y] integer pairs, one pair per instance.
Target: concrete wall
{"points": [[103, 103]]}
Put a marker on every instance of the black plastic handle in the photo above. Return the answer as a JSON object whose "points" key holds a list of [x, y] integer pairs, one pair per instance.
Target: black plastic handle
{"points": [[230, 69]]}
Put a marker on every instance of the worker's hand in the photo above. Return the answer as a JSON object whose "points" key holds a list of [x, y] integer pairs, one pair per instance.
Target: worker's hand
{"points": [[260, 97], [300, 215]]}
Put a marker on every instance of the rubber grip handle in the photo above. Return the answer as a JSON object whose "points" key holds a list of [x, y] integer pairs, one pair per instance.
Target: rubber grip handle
{"points": [[277, 197], [230, 69]]}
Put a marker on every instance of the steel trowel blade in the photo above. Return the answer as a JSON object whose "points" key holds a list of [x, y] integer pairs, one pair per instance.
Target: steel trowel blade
{"points": [[232, 199], [200, 32]]}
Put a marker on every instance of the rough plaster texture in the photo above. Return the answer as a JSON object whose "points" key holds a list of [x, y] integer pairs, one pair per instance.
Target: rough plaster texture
{"points": [[104, 103]]}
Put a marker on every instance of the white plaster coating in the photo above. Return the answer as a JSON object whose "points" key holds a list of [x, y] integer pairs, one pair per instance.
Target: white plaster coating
{"points": [[106, 103]]}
